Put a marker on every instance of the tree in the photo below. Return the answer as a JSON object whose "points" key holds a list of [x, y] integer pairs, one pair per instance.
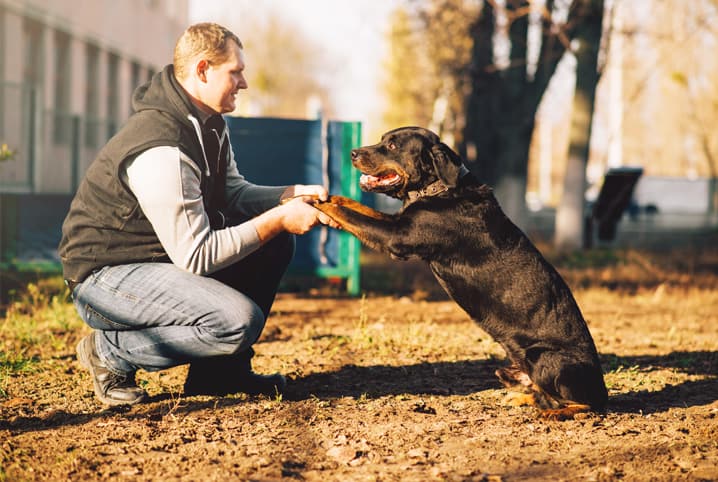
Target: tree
{"points": [[506, 94], [408, 90], [426, 81], [695, 75], [671, 97], [494, 92], [284, 69], [586, 41]]}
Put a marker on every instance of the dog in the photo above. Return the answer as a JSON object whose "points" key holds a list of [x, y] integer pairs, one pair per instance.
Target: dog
{"points": [[484, 262]]}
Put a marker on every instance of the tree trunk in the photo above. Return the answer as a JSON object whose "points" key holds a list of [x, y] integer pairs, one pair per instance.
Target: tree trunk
{"points": [[570, 216], [501, 107]]}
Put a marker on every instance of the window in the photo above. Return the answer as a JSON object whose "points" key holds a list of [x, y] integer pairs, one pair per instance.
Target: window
{"points": [[113, 100], [62, 120], [92, 97], [32, 65], [135, 72], [32, 75]]}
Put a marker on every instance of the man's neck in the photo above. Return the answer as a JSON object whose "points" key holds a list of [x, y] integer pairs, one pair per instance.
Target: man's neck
{"points": [[203, 111]]}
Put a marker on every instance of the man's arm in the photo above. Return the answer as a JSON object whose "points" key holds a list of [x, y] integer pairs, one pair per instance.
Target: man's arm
{"points": [[166, 184]]}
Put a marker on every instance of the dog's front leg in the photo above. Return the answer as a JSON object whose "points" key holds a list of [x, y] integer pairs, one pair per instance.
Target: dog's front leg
{"points": [[373, 228], [360, 208]]}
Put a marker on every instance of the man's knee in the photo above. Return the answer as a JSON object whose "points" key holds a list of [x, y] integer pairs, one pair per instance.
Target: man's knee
{"points": [[235, 326]]}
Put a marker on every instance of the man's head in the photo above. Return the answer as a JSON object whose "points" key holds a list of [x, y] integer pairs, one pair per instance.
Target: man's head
{"points": [[209, 64]]}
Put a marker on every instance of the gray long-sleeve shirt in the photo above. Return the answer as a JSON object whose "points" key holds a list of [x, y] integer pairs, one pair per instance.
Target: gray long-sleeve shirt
{"points": [[166, 184]]}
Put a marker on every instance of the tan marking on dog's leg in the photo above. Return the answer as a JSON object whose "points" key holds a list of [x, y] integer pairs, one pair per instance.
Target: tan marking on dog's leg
{"points": [[517, 399], [354, 206], [565, 413]]}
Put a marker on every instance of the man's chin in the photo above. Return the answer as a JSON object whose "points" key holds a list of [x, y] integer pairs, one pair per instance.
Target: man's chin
{"points": [[228, 106], [226, 109]]}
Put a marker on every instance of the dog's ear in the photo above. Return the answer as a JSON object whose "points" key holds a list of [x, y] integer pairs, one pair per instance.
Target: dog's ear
{"points": [[447, 164]]}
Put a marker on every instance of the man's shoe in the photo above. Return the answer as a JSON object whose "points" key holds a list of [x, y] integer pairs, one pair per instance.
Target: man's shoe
{"points": [[111, 388], [223, 375], [256, 384]]}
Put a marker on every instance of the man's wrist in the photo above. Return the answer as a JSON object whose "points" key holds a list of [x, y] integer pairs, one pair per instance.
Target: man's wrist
{"points": [[270, 223], [288, 193]]}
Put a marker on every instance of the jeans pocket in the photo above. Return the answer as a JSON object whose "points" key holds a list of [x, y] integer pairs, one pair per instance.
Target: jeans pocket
{"points": [[98, 321]]}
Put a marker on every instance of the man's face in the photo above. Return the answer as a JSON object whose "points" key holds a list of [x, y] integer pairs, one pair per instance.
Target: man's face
{"points": [[224, 81]]}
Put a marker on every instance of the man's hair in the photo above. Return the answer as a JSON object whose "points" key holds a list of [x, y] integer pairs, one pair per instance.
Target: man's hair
{"points": [[210, 40]]}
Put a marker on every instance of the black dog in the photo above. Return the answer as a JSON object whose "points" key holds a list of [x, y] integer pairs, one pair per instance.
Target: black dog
{"points": [[484, 262]]}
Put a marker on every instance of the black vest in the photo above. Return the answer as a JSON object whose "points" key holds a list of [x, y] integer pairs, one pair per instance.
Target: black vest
{"points": [[105, 225]]}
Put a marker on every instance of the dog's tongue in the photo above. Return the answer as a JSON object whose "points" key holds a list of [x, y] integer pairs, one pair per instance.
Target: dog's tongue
{"points": [[372, 181]]}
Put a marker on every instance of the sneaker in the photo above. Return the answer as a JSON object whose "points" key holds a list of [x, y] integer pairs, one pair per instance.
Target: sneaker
{"points": [[110, 387], [209, 377]]}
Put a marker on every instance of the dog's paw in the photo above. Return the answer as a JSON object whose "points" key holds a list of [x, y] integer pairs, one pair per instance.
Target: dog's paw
{"points": [[569, 412]]}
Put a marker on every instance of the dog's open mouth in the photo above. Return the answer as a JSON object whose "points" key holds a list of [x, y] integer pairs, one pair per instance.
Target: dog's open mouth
{"points": [[387, 180]]}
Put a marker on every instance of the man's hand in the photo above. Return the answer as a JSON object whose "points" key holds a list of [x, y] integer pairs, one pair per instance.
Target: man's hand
{"points": [[295, 214], [309, 194], [298, 216]]}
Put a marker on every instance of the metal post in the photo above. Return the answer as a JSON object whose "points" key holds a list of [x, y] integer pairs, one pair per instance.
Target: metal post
{"points": [[350, 188]]}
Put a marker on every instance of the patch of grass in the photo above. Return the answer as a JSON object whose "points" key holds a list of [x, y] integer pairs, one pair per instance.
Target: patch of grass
{"points": [[613, 363], [595, 258], [16, 362], [41, 318], [13, 363], [14, 287], [39, 324]]}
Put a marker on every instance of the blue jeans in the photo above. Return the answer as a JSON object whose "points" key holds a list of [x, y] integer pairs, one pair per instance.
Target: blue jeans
{"points": [[155, 315]]}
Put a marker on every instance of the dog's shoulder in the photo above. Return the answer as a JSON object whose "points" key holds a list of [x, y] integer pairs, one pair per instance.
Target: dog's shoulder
{"points": [[476, 195], [469, 183]]}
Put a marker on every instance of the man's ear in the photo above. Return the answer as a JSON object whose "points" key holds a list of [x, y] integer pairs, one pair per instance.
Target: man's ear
{"points": [[447, 164], [201, 69]]}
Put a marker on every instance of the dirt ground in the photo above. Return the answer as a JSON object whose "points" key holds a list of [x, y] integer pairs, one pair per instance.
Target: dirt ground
{"points": [[395, 385]]}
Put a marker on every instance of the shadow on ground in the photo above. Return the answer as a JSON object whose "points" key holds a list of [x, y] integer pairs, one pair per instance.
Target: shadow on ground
{"points": [[438, 379]]}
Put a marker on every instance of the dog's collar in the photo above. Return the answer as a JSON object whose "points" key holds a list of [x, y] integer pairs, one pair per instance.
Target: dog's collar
{"points": [[436, 187], [432, 189]]}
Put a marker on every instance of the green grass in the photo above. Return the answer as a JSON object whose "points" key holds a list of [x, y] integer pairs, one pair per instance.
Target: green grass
{"points": [[37, 324], [14, 363]]}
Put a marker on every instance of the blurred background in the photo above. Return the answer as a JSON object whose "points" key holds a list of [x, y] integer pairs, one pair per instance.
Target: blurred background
{"points": [[546, 100]]}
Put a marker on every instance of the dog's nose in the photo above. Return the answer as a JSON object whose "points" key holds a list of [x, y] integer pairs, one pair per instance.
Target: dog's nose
{"points": [[355, 154]]}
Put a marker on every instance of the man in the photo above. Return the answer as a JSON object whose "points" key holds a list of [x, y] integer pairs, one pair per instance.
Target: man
{"points": [[170, 254]]}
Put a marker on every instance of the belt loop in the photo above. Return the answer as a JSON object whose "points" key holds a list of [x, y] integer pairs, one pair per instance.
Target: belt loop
{"points": [[71, 285]]}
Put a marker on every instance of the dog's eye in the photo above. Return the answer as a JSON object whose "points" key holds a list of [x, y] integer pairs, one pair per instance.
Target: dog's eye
{"points": [[391, 146]]}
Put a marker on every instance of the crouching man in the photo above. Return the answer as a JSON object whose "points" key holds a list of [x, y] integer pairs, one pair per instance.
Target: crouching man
{"points": [[172, 257]]}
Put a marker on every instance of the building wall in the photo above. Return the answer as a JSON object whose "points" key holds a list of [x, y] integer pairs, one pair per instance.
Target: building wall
{"points": [[112, 46]]}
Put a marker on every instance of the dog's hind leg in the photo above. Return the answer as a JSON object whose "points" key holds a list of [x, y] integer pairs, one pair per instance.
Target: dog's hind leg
{"points": [[521, 386]]}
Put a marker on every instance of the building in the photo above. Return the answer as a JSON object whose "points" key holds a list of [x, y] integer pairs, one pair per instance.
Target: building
{"points": [[68, 69]]}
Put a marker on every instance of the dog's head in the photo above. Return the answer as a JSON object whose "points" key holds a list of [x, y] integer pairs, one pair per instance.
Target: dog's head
{"points": [[407, 159]]}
